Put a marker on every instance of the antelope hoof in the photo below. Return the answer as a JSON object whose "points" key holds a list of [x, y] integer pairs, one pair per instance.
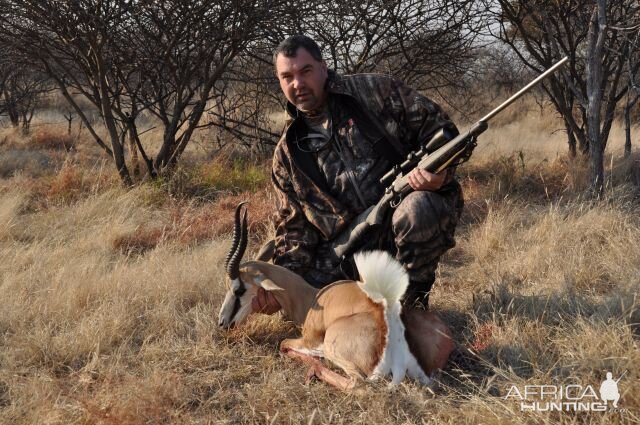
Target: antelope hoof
{"points": [[311, 374]]}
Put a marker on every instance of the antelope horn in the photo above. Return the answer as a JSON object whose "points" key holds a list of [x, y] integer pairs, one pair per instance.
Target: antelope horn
{"points": [[236, 235], [233, 269]]}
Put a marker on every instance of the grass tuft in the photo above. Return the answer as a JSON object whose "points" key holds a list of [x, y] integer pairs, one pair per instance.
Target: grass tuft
{"points": [[51, 138], [233, 175]]}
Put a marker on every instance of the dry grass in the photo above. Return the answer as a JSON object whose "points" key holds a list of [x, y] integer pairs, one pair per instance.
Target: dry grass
{"points": [[68, 184], [45, 138], [187, 223], [201, 204], [49, 137], [110, 302]]}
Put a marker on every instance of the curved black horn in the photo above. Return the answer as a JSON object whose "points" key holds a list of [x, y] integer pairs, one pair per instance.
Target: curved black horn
{"points": [[233, 269], [236, 235]]}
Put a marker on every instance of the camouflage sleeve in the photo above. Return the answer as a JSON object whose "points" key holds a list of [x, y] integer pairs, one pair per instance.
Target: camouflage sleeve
{"points": [[419, 118], [296, 239]]}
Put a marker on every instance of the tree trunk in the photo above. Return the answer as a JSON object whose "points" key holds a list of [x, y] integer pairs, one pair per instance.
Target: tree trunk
{"points": [[573, 144], [583, 142], [135, 162], [627, 121], [110, 123], [627, 128], [27, 116], [131, 130], [81, 114], [162, 161], [133, 133], [595, 50], [69, 119], [198, 110], [12, 110]]}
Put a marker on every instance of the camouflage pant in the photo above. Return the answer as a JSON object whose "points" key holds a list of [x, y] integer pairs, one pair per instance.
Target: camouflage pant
{"points": [[421, 229]]}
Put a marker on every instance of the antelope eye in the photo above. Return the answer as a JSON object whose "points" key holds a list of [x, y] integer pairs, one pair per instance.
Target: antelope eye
{"points": [[239, 292]]}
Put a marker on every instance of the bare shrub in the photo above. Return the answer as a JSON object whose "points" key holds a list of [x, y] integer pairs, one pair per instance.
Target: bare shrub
{"points": [[46, 138], [71, 183]]}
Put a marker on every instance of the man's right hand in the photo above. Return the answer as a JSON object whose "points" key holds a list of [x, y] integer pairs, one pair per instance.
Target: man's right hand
{"points": [[264, 302]]}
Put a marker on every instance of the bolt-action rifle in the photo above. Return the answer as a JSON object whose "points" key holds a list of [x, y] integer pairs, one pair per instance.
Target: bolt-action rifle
{"points": [[443, 150]]}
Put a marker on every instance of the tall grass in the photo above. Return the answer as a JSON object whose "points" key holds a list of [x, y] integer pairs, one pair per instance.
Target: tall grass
{"points": [[110, 299]]}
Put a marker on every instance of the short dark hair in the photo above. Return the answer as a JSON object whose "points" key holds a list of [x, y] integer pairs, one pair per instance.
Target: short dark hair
{"points": [[290, 46]]}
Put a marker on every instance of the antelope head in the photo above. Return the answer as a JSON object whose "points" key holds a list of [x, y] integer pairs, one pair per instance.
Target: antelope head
{"points": [[237, 301], [243, 281]]}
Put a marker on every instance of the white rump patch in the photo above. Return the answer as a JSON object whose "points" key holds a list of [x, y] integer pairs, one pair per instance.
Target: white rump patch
{"points": [[385, 281], [397, 359]]}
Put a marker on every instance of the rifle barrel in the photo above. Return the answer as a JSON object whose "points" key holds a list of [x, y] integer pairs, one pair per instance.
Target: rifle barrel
{"points": [[522, 91], [618, 380]]}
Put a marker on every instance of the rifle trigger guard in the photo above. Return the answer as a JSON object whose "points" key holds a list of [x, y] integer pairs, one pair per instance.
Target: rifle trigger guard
{"points": [[395, 201]]}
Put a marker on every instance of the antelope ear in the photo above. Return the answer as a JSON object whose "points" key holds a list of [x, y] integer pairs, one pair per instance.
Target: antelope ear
{"points": [[269, 285]]}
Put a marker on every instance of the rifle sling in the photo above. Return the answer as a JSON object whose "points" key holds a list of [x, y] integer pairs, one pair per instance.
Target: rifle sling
{"points": [[306, 161]]}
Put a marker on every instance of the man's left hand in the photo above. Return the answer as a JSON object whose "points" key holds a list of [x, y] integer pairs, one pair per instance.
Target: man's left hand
{"points": [[264, 302], [424, 180]]}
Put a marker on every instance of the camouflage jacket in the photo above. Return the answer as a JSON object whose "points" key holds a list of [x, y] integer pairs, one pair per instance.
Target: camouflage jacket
{"points": [[376, 121]]}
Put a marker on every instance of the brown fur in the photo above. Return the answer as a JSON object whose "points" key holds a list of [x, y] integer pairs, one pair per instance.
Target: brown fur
{"points": [[352, 332], [428, 337]]}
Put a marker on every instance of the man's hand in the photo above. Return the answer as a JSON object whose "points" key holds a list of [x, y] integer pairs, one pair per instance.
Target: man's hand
{"points": [[423, 180], [264, 302]]}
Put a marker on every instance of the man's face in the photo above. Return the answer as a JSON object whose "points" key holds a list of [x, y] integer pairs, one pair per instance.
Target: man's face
{"points": [[302, 79]]}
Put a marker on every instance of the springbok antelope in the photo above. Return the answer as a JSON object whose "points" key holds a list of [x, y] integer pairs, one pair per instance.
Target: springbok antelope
{"points": [[357, 325]]}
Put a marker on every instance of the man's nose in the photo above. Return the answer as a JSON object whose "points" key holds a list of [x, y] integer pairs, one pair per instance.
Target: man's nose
{"points": [[298, 83]]}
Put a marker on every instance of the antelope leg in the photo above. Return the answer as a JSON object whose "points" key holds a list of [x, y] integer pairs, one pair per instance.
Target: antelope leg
{"points": [[321, 372]]}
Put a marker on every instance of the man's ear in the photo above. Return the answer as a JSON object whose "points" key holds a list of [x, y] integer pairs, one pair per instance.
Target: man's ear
{"points": [[269, 285]]}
